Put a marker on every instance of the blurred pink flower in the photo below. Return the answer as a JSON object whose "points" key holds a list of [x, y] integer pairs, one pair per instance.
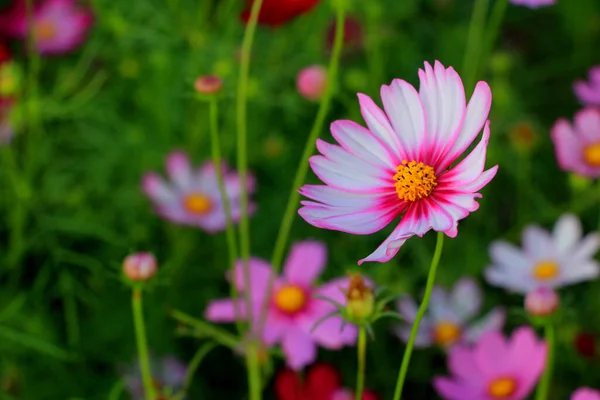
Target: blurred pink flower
{"points": [[585, 393], [533, 3], [293, 311], [139, 266], [311, 82], [400, 165], [588, 93], [541, 302], [168, 376], [449, 316], [495, 368], [6, 129], [59, 25], [193, 197], [577, 146]]}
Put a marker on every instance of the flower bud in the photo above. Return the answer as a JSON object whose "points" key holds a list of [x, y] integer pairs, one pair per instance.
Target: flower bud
{"points": [[360, 302], [541, 302], [208, 84], [523, 136], [139, 266], [311, 82]]}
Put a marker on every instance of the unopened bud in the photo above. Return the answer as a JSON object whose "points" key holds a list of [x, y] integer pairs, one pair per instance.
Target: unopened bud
{"points": [[541, 302], [360, 301], [208, 84], [311, 82], [139, 266]]}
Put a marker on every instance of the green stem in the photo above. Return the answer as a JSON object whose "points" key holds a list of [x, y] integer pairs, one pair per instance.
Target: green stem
{"points": [[493, 28], [422, 309], [253, 368], [218, 335], [142, 343], [362, 352], [232, 245], [544, 385], [474, 39], [195, 363]]}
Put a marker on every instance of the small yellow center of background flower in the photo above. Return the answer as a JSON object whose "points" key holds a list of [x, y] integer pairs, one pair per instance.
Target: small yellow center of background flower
{"points": [[197, 203], [545, 270], [591, 154], [502, 388], [446, 333], [290, 299], [45, 30], [414, 180]]}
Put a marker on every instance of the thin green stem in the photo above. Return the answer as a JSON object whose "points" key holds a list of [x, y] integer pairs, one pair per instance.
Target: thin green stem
{"points": [[422, 309], [474, 40], [361, 356], [293, 198], [195, 363], [544, 385], [253, 368], [232, 245], [218, 335], [493, 29], [142, 343]]}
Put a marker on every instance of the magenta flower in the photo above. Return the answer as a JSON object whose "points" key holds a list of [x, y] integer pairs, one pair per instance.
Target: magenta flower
{"points": [[585, 393], [193, 197], [293, 311], [59, 25], [311, 82], [588, 93], [495, 368], [577, 146], [400, 165], [533, 3]]}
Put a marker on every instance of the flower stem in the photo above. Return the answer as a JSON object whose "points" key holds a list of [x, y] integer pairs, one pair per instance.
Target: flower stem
{"points": [[205, 329], [362, 352], [474, 40], [493, 28], [253, 367], [142, 343], [422, 309], [232, 245], [544, 385]]}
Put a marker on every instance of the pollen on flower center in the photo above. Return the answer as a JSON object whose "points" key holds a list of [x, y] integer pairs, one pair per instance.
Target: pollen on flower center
{"points": [[414, 180], [545, 270], [446, 333], [45, 30], [290, 299], [591, 154], [502, 388], [197, 203]]}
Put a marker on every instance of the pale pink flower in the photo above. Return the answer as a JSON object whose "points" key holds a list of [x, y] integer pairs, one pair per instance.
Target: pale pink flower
{"points": [[193, 197], [494, 368], [449, 318], [311, 82], [533, 3], [577, 146], [401, 165], [588, 93], [585, 393], [59, 25], [541, 302], [292, 311], [139, 266]]}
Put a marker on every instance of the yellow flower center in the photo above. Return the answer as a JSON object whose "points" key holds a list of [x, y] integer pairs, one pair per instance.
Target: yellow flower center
{"points": [[591, 154], [502, 388], [45, 30], [414, 180], [290, 299], [197, 203], [545, 270], [446, 333]]}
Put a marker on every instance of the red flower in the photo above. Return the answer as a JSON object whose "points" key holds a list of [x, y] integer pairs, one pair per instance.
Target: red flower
{"points": [[585, 344], [353, 35], [278, 12], [4, 52]]}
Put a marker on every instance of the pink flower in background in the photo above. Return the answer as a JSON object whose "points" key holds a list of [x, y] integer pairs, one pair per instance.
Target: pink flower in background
{"points": [[192, 197], [59, 25], [312, 82], [168, 376], [533, 3], [495, 368], [585, 393], [577, 145], [6, 129], [449, 316], [588, 93], [293, 311], [401, 165]]}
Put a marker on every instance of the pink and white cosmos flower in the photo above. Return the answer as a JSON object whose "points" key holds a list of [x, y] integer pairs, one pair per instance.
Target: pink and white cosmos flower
{"points": [[402, 165], [588, 93], [293, 311], [533, 3], [59, 26], [193, 196], [585, 393]]}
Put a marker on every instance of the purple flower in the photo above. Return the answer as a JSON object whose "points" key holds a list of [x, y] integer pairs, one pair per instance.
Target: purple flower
{"points": [[192, 197], [293, 311], [168, 377], [448, 320], [588, 93]]}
